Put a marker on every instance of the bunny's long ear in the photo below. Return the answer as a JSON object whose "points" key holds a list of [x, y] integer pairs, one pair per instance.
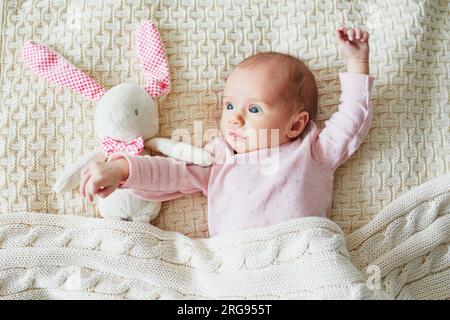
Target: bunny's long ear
{"points": [[48, 64], [152, 55]]}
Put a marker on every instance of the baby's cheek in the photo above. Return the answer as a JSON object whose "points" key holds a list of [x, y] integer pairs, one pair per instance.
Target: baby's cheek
{"points": [[274, 137], [223, 121]]}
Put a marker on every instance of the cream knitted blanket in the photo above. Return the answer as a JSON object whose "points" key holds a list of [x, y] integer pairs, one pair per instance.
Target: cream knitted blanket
{"points": [[403, 253]]}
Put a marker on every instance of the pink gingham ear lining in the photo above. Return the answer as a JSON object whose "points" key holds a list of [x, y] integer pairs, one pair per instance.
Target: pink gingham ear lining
{"points": [[152, 55], [48, 64]]}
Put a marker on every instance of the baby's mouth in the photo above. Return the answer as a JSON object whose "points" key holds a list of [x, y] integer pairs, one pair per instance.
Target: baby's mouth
{"points": [[236, 136]]}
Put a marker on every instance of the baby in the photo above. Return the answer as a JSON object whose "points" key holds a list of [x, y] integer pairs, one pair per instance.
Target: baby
{"points": [[269, 104]]}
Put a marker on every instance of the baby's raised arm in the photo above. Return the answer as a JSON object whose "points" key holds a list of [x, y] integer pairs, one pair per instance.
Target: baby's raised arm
{"points": [[346, 129], [354, 44]]}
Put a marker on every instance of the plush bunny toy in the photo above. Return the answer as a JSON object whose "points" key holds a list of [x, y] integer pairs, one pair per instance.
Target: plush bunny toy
{"points": [[126, 118]]}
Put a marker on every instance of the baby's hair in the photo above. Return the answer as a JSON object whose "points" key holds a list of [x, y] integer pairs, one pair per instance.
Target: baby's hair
{"points": [[300, 90]]}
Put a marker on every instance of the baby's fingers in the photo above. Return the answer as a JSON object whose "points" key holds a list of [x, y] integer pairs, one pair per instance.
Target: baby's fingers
{"points": [[340, 34], [85, 176], [90, 191], [104, 192], [365, 36], [93, 187], [358, 33], [351, 34]]}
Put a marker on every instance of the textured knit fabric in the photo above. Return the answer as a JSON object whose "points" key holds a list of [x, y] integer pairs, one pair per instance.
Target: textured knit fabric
{"points": [[268, 186], [403, 251]]}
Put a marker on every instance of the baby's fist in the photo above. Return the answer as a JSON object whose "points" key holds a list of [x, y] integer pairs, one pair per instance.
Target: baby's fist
{"points": [[102, 178], [353, 43]]}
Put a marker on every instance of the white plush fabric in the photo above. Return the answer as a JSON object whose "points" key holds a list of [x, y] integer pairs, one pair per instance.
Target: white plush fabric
{"points": [[43, 127], [403, 253]]}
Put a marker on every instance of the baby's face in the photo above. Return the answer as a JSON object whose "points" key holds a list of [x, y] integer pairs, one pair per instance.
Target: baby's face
{"points": [[254, 115]]}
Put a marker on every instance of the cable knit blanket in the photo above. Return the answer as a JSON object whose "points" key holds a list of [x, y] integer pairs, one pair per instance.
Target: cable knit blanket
{"points": [[403, 253]]}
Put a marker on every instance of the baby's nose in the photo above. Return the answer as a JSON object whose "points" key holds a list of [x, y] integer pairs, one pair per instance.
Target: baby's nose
{"points": [[236, 121]]}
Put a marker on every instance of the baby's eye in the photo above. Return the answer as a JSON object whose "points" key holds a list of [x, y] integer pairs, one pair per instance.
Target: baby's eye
{"points": [[136, 112], [254, 108], [229, 106]]}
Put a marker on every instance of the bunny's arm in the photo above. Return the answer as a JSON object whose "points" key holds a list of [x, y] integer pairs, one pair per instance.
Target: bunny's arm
{"points": [[70, 177], [180, 151]]}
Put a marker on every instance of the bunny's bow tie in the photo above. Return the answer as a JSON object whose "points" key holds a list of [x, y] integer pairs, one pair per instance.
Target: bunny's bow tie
{"points": [[133, 147]]}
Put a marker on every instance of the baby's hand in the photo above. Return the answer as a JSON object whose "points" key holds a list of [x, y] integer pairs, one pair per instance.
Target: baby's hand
{"points": [[354, 43], [102, 178]]}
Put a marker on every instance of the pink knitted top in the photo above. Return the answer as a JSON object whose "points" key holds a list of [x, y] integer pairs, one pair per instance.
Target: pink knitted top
{"points": [[267, 186]]}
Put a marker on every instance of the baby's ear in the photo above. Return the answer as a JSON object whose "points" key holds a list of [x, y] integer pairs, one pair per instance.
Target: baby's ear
{"points": [[152, 55], [46, 63], [298, 124]]}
